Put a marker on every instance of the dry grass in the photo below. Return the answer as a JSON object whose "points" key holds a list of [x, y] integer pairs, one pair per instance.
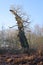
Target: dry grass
{"points": [[22, 59]]}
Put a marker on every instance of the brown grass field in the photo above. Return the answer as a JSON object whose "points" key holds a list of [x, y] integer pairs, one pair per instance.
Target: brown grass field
{"points": [[35, 58]]}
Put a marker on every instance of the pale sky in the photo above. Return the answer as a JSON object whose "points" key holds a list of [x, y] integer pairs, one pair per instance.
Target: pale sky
{"points": [[34, 8]]}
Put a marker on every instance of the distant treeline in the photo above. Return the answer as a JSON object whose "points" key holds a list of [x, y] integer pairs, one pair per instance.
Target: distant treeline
{"points": [[9, 38]]}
